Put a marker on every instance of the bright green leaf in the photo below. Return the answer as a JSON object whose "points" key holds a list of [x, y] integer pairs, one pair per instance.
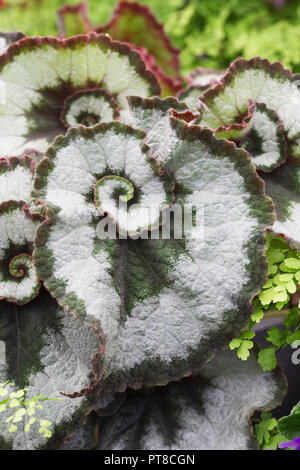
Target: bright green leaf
{"points": [[276, 336], [243, 351], [13, 428], [267, 359]]}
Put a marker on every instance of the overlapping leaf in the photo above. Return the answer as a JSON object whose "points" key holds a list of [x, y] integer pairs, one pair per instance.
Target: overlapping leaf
{"points": [[19, 282], [153, 116], [272, 134], [199, 81], [39, 74], [51, 354], [262, 82], [43, 347], [154, 299], [210, 412], [86, 437], [283, 185], [73, 20], [259, 131], [135, 24], [140, 310], [289, 426]]}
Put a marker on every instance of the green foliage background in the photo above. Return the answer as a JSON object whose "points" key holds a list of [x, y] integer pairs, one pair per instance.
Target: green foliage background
{"points": [[210, 33]]}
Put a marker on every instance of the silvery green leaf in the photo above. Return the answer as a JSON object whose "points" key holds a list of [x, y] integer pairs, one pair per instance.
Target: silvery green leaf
{"points": [[40, 74], [263, 82], [52, 354], [160, 303], [283, 186], [208, 412]]}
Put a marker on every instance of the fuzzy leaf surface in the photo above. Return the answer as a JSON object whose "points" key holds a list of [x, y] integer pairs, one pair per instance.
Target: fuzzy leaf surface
{"points": [[209, 412], [16, 179], [153, 116], [265, 141], [39, 74], [283, 186], [6, 39]]}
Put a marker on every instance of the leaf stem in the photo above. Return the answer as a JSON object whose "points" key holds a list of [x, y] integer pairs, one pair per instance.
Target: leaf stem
{"points": [[276, 313], [123, 249], [18, 347]]}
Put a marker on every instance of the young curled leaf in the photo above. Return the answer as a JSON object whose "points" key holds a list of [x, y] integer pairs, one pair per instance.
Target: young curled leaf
{"points": [[153, 116], [265, 140], [136, 25], [19, 282], [89, 107]]}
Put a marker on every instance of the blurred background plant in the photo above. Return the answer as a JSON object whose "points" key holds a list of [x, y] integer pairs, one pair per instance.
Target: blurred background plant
{"points": [[210, 34]]}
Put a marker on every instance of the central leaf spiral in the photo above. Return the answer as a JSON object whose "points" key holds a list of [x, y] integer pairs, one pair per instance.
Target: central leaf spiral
{"points": [[19, 282], [113, 193], [89, 107]]}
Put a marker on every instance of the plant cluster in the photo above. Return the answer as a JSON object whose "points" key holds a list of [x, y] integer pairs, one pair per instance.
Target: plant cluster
{"points": [[23, 411], [278, 296], [102, 329], [272, 433], [206, 32]]}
